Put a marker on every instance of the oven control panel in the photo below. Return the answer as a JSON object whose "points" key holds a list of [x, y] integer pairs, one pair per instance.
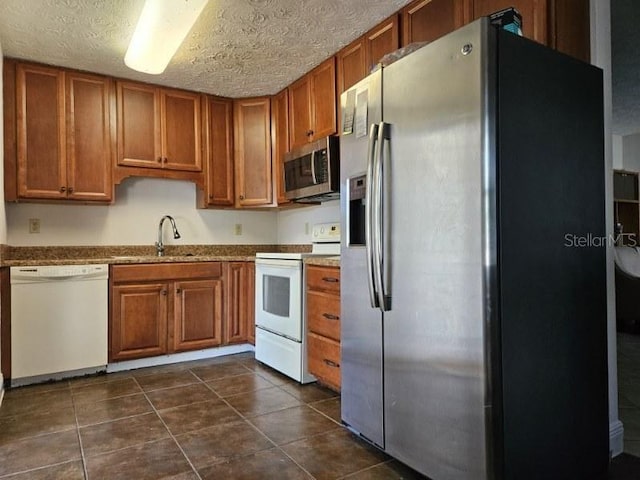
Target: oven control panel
{"points": [[326, 233]]}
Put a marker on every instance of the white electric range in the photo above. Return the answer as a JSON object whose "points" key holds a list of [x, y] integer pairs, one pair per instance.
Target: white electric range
{"points": [[280, 304]]}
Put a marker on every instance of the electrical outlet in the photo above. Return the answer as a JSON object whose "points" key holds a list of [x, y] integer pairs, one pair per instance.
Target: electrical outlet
{"points": [[306, 228], [34, 225], [237, 229]]}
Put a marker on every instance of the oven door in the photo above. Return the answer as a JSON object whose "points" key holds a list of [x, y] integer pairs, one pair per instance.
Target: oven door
{"points": [[279, 297]]}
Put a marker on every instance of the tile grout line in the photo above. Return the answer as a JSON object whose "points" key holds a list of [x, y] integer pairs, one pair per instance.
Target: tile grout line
{"points": [[248, 421], [171, 435], [82, 456]]}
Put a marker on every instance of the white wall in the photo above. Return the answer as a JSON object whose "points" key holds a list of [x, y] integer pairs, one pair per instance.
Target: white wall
{"points": [[616, 144], [133, 219], [601, 56], [631, 152], [292, 224]]}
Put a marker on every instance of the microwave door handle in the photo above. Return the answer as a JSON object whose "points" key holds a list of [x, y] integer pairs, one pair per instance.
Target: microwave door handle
{"points": [[313, 168], [368, 230]]}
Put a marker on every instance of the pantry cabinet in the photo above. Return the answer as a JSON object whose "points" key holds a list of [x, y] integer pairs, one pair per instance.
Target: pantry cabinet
{"points": [[312, 105], [252, 152], [164, 308], [62, 135], [323, 324], [159, 128]]}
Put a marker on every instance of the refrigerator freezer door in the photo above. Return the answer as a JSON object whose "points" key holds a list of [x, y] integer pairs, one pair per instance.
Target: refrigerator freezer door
{"points": [[361, 324], [434, 371]]}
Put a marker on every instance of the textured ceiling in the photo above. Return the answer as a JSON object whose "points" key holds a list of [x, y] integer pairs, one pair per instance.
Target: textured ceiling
{"points": [[237, 48]]}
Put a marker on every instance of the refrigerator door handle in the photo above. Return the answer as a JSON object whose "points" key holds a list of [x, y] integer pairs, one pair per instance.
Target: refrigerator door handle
{"points": [[380, 264], [368, 230], [313, 168]]}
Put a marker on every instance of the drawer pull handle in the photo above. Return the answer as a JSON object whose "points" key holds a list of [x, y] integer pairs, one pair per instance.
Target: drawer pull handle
{"points": [[328, 316], [163, 292], [330, 279], [330, 363]]}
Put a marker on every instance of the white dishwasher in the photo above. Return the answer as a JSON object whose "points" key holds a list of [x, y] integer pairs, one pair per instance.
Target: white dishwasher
{"points": [[58, 321]]}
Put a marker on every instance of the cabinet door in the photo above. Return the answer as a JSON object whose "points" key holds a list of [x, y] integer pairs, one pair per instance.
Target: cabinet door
{"points": [[569, 28], [279, 142], [197, 314], [382, 39], [427, 20], [138, 125], [351, 65], [138, 325], [41, 132], [220, 151], [181, 131], [235, 330], [300, 130], [88, 137], [534, 14], [250, 294], [252, 140], [323, 95]]}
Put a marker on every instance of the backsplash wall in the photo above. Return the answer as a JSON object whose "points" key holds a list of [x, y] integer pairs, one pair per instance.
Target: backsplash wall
{"points": [[292, 223], [133, 219]]}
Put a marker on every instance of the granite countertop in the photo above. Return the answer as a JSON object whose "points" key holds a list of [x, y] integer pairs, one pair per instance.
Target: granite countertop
{"points": [[323, 261], [133, 254]]}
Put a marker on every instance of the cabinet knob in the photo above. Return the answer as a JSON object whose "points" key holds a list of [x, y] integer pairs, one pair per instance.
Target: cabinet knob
{"points": [[178, 291], [163, 292], [63, 189], [165, 159], [241, 197], [309, 133], [159, 159], [70, 190], [211, 195]]}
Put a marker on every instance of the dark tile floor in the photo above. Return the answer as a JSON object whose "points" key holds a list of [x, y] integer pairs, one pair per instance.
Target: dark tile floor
{"points": [[224, 418], [229, 418]]}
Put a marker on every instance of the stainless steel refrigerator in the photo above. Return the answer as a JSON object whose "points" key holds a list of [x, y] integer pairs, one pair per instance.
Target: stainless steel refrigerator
{"points": [[473, 260]]}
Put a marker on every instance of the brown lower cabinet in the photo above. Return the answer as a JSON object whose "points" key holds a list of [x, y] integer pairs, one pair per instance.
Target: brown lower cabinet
{"points": [[157, 309], [323, 324], [239, 324]]}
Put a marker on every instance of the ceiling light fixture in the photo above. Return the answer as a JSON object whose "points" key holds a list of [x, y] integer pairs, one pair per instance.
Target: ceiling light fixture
{"points": [[161, 29]]}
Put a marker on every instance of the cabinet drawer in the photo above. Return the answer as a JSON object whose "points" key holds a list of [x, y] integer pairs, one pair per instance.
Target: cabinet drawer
{"points": [[165, 271], [323, 314], [324, 359], [323, 278]]}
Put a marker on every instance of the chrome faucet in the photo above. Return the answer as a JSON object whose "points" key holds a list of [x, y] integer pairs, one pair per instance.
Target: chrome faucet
{"points": [[176, 234]]}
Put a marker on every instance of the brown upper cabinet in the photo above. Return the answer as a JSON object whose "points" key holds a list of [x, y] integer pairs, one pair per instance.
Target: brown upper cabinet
{"points": [[534, 14], [279, 142], [159, 128], [63, 142], [560, 24], [312, 105], [356, 60], [427, 20], [219, 152], [252, 151]]}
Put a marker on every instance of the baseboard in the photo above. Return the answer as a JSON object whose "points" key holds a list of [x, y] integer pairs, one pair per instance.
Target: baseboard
{"points": [[616, 440], [179, 357]]}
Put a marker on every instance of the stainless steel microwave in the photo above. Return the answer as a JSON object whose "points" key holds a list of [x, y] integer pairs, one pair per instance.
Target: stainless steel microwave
{"points": [[312, 172]]}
